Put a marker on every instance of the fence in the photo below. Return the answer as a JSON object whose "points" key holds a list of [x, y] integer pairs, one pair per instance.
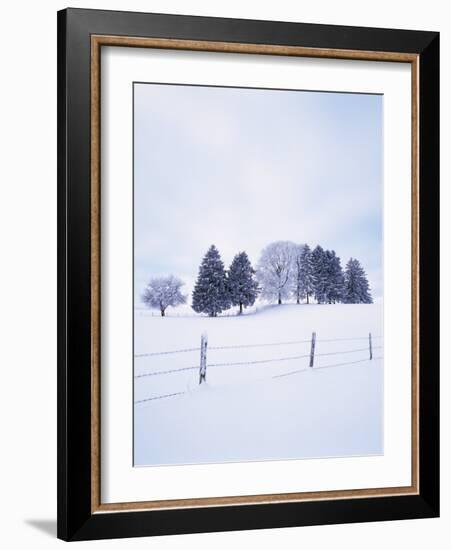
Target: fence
{"points": [[310, 357]]}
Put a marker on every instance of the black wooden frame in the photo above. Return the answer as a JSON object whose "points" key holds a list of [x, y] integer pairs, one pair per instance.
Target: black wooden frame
{"points": [[75, 520]]}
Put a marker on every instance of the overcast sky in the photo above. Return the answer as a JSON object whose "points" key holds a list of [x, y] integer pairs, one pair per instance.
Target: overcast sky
{"points": [[241, 168]]}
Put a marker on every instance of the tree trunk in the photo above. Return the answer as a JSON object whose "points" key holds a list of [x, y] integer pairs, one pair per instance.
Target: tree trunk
{"points": [[307, 298], [298, 301], [241, 308], [280, 299], [162, 312]]}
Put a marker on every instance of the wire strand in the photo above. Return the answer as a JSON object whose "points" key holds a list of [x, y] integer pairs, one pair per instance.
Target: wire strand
{"points": [[245, 346], [309, 369], [305, 369], [157, 373], [153, 354], [348, 339], [256, 362], [159, 397]]}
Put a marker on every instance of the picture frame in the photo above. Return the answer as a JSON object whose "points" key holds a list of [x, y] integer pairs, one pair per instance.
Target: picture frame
{"points": [[81, 36]]}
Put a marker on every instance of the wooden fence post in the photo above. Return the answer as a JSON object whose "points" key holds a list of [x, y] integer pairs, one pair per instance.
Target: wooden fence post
{"points": [[371, 346], [312, 349], [203, 358]]}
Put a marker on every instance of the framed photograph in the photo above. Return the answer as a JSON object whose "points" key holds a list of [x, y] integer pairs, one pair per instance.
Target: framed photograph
{"points": [[248, 274]]}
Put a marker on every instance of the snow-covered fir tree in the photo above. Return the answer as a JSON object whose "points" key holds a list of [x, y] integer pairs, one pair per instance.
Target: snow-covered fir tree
{"points": [[162, 292], [210, 293], [320, 274], [242, 286], [306, 273], [335, 279], [297, 279], [275, 270], [356, 287]]}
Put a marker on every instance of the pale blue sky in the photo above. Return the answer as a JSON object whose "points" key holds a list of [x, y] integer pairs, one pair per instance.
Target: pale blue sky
{"points": [[243, 167]]}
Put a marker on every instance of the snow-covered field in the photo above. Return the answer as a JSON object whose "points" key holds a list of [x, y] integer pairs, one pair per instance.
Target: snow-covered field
{"points": [[248, 411]]}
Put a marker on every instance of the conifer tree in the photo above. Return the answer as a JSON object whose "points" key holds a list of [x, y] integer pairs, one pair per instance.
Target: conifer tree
{"points": [[320, 274], [356, 287], [335, 278], [297, 283], [210, 293], [306, 274], [242, 286]]}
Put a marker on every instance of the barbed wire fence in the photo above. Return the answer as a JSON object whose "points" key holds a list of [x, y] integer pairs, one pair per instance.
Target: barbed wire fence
{"points": [[203, 365]]}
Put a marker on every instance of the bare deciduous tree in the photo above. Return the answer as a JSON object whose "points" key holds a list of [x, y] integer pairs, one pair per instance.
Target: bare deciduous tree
{"points": [[162, 292], [275, 270]]}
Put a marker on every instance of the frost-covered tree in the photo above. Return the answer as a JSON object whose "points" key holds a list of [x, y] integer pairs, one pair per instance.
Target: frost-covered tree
{"points": [[242, 286], [303, 278], [162, 292], [275, 270], [356, 287], [297, 278], [320, 274], [334, 287], [210, 293], [328, 279]]}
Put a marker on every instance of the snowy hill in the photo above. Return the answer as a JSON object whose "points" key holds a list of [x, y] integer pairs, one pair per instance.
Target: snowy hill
{"points": [[261, 400]]}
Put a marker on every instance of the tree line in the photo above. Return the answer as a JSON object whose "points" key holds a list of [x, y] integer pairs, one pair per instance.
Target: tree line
{"points": [[285, 271]]}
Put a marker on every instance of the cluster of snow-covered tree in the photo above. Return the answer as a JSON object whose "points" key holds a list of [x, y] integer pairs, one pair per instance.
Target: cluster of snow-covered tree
{"points": [[288, 270], [285, 271]]}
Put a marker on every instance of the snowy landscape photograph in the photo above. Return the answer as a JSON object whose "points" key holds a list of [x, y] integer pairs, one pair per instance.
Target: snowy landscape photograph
{"points": [[258, 274]]}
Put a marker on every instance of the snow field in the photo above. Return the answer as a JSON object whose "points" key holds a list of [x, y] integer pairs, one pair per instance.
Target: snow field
{"points": [[249, 411]]}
